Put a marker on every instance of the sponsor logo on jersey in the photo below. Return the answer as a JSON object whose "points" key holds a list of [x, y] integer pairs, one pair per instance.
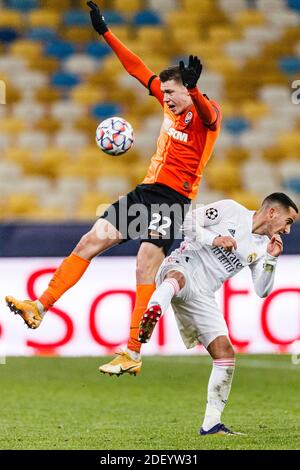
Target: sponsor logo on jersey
{"points": [[232, 232], [178, 135], [212, 213], [188, 117], [228, 259], [251, 258]]}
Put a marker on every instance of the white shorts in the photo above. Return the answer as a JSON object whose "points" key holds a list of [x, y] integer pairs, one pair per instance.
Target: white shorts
{"points": [[196, 311]]}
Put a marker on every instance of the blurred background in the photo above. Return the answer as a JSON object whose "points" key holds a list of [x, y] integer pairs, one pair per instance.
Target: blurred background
{"points": [[62, 80]]}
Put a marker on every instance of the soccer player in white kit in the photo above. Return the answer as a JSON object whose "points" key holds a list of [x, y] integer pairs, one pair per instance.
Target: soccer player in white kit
{"points": [[220, 240]]}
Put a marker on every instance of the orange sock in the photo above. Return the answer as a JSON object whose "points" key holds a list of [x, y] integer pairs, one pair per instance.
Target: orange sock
{"points": [[143, 295], [68, 274]]}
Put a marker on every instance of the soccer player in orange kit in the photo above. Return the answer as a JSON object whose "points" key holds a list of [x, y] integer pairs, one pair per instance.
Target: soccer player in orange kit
{"points": [[191, 125]]}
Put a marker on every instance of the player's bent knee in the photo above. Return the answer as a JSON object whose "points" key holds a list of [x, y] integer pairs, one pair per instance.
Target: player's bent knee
{"points": [[180, 278]]}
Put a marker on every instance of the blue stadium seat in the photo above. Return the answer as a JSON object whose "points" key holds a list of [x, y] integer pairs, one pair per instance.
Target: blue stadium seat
{"points": [[105, 110], [59, 49], [112, 17], [98, 49], [147, 18], [290, 65], [294, 5], [22, 5], [292, 184], [64, 80], [77, 18], [236, 125], [8, 35], [42, 34]]}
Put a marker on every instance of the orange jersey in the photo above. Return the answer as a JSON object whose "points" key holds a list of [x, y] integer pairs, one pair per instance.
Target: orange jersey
{"points": [[185, 143], [184, 147]]}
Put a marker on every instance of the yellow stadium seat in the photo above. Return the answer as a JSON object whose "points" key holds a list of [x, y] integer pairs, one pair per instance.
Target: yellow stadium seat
{"points": [[151, 35], [44, 64], [196, 6], [18, 155], [247, 199], [237, 155], [184, 18], [87, 94], [289, 144], [47, 95], [221, 64], [223, 176], [44, 18], [123, 32], [248, 18], [78, 34], [273, 154], [47, 124], [123, 96], [254, 110], [80, 169], [128, 7], [11, 125], [47, 214], [228, 109], [21, 204], [102, 80], [182, 36], [219, 34], [58, 5], [277, 49], [11, 19], [26, 48], [87, 124]]}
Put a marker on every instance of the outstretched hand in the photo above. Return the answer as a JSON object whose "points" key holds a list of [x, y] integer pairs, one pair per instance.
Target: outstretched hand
{"points": [[275, 246], [97, 18], [191, 74]]}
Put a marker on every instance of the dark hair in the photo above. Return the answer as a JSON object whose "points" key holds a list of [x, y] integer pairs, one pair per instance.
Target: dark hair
{"points": [[281, 199], [171, 73]]}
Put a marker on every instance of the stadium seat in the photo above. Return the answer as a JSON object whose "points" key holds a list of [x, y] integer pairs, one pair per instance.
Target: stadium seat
{"points": [[47, 65], [114, 186], [289, 143], [248, 199], [80, 65], [98, 50], [76, 18], [254, 110], [105, 110], [129, 7], [236, 125], [46, 94], [59, 49], [47, 125], [290, 65], [12, 125], [147, 18], [30, 81], [11, 19], [114, 18], [250, 17], [237, 155], [262, 35], [66, 111], [294, 5], [258, 177], [8, 35], [162, 7], [70, 140], [44, 18], [222, 176], [86, 94], [22, 5], [41, 34], [78, 35], [283, 18], [9, 170], [28, 111], [64, 80], [33, 140], [26, 48]]}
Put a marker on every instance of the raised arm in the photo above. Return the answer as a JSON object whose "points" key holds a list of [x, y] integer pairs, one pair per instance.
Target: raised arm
{"points": [[209, 113], [263, 270], [130, 61], [196, 223]]}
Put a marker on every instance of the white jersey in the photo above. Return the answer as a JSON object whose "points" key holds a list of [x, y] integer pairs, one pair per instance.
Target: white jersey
{"points": [[211, 265]]}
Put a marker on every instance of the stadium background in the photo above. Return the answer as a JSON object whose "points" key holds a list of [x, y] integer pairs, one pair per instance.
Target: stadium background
{"points": [[61, 81]]}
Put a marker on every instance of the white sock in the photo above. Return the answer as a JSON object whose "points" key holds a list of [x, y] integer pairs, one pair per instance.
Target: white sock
{"points": [[133, 354], [40, 307], [218, 391], [164, 294]]}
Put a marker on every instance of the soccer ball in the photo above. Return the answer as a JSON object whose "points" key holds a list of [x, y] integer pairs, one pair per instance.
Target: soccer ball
{"points": [[114, 136]]}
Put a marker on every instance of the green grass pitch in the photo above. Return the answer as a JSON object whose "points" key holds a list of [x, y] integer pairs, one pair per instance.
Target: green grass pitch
{"points": [[64, 403]]}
